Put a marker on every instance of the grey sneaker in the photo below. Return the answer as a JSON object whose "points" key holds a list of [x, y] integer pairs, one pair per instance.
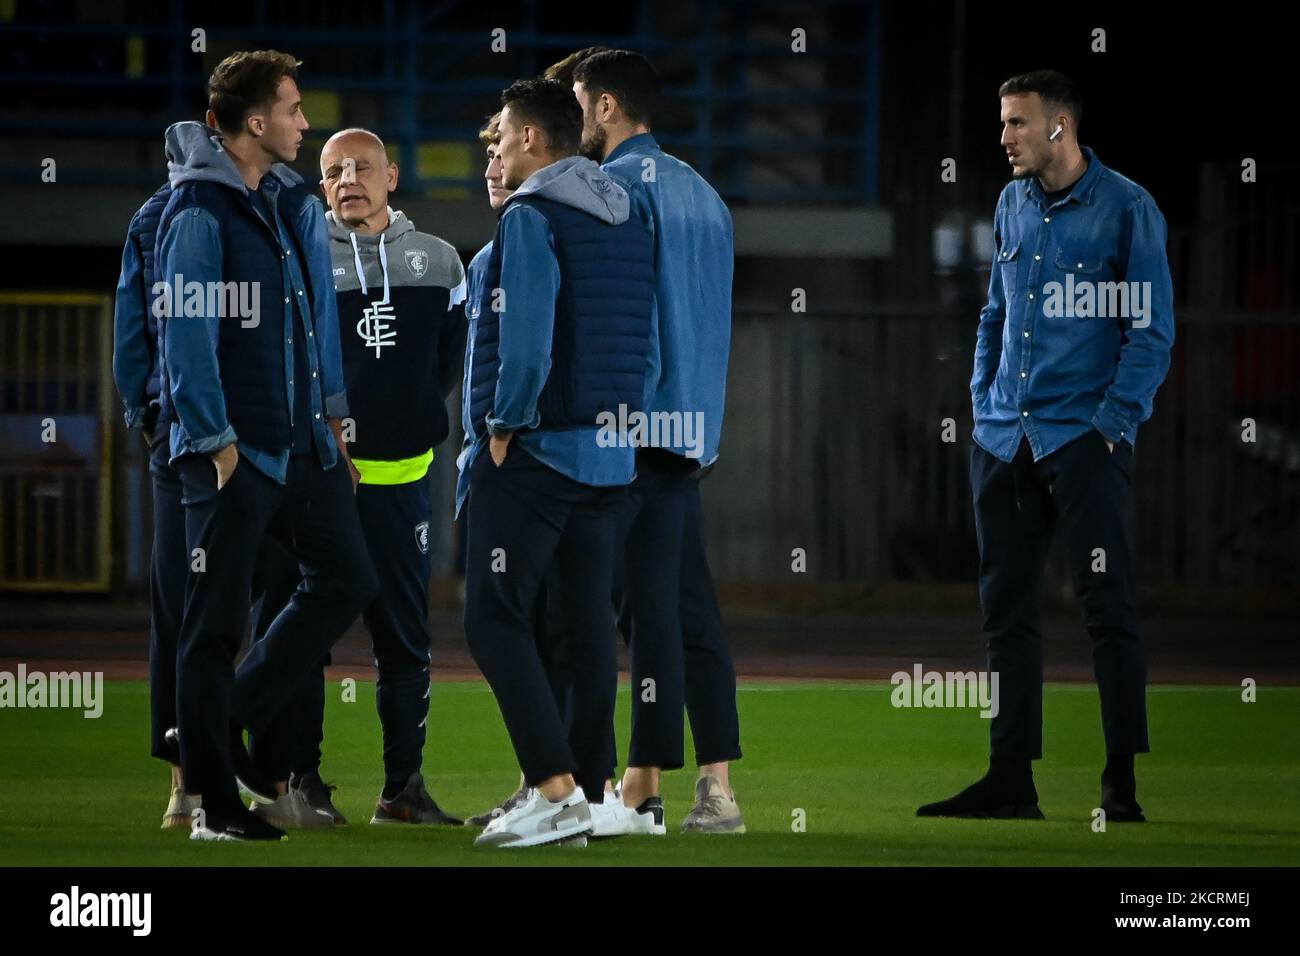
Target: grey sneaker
{"points": [[291, 811], [179, 809], [714, 811], [317, 793], [502, 808], [412, 805]]}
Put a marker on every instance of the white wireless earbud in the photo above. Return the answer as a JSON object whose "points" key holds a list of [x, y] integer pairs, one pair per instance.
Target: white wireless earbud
{"points": [[1056, 132]]}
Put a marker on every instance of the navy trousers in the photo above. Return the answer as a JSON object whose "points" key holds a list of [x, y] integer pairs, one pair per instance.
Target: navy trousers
{"points": [[648, 576], [168, 567], [395, 522], [710, 672], [1081, 488], [524, 518], [705, 659], [314, 516]]}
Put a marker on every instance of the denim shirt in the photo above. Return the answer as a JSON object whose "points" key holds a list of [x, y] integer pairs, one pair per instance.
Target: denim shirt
{"points": [[192, 247], [694, 261], [1079, 323]]}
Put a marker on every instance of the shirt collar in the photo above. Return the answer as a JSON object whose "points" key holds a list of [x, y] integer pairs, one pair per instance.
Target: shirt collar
{"points": [[639, 141], [1081, 191]]}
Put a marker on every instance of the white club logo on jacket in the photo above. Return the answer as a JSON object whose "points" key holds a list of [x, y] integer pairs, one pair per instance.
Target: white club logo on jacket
{"points": [[378, 326], [417, 260]]}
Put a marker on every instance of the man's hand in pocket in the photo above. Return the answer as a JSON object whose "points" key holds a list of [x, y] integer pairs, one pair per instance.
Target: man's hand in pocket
{"points": [[225, 461], [498, 446]]}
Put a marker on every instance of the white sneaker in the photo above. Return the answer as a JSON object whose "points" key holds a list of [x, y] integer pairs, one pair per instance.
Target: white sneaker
{"points": [[615, 818], [537, 821], [609, 819], [645, 820]]}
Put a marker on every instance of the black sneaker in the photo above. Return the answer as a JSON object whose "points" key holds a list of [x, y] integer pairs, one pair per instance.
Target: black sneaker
{"points": [[317, 794], [502, 808], [412, 805], [989, 798], [234, 824]]}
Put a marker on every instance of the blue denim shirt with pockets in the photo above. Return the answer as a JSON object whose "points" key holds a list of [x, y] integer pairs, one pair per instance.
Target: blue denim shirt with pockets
{"points": [[1049, 364]]}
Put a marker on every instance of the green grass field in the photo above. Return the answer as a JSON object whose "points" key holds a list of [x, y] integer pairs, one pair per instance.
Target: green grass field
{"points": [[1222, 786]]}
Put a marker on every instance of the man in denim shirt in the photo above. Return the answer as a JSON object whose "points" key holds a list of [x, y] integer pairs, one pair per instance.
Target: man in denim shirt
{"points": [[1071, 348], [258, 395], [668, 609]]}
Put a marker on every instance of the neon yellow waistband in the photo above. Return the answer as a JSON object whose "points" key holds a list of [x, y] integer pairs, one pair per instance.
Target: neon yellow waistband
{"points": [[394, 472]]}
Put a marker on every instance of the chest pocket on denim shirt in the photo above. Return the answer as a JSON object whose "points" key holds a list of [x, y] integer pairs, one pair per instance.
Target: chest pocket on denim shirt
{"points": [[1009, 263], [1089, 267], [1095, 295]]}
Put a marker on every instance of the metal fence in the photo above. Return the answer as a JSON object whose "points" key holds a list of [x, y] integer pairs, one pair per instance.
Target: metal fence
{"points": [[847, 436], [55, 442], [835, 443]]}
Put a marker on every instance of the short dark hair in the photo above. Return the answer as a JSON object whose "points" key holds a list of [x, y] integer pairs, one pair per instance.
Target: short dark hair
{"points": [[245, 82], [626, 76], [1057, 90], [550, 105], [563, 70]]}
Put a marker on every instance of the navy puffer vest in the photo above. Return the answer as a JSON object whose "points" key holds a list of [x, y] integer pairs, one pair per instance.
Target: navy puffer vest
{"points": [[251, 359], [601, 340]]}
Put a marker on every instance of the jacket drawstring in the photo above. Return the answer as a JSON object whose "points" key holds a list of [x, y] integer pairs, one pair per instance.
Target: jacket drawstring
{"points": [[361, 272]]}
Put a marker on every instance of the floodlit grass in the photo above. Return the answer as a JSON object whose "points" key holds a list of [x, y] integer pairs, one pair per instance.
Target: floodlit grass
{"points": [[1220, 787]]}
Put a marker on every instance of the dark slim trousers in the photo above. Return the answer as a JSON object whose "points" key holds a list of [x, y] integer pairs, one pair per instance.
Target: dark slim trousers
{"points": [[648, 579], [523, 517], [314, 516], [168, 567], [1081, 488], [710, 672], [395, 521]]}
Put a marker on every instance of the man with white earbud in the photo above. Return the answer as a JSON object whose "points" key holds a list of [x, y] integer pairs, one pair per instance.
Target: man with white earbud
{"points": [[1070, 350]]}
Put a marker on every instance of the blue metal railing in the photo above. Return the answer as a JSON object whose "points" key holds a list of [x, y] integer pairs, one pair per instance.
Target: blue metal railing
{"points": [[409, 57]]}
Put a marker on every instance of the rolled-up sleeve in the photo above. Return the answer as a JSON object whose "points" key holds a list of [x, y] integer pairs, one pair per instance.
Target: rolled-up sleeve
{"points": [[530, 283], [191, 247]]}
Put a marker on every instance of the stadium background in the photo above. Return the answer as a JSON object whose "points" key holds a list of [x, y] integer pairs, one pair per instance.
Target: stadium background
{"points": [[830, 160]]}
